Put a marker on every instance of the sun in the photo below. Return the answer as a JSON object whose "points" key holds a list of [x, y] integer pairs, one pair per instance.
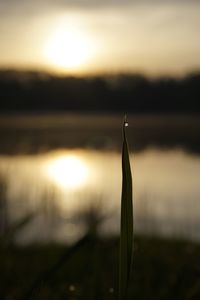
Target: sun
{"points": [[67, 171], [68, 48]]}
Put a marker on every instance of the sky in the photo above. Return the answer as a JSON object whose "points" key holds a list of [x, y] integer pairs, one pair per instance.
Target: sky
{"points": [[153, 37]]}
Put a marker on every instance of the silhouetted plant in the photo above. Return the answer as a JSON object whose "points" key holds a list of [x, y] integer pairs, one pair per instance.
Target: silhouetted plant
{"points": [[126, 232]]}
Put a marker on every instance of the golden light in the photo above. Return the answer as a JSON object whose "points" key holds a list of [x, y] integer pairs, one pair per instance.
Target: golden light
{"points": [[68, 49], [68, 171]]}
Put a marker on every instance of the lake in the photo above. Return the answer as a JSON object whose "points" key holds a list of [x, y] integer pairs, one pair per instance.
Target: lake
{"points": [[60, 174]]}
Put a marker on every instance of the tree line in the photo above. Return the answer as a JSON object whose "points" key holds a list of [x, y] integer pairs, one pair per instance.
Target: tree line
{"points": [[35, 91]]}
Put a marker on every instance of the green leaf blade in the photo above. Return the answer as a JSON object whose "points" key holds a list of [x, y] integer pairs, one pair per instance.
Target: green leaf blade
{"points": [[126, 234]]}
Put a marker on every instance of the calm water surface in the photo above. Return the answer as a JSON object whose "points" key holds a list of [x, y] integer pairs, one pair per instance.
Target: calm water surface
{"points": [[61, 187]]}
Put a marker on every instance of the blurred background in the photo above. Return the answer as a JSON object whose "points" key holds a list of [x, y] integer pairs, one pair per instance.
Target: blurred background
{"points": [[69, 72]]}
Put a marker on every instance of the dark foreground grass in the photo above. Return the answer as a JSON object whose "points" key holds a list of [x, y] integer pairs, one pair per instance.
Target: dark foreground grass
{"points": [[163, 269]]}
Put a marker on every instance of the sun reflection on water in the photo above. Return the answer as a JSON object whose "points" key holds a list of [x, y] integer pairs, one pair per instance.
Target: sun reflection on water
{"points": [[68, 171], [58, 185]]}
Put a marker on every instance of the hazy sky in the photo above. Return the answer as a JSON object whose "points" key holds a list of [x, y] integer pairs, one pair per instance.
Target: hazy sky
{"points": [[81, 36]]}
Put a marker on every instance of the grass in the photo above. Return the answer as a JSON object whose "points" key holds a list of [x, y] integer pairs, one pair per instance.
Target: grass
{"points": [[163, 269], [126, 231]]}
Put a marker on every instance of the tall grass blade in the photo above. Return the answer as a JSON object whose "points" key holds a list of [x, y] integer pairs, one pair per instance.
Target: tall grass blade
{"points": [[126, 234]]}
